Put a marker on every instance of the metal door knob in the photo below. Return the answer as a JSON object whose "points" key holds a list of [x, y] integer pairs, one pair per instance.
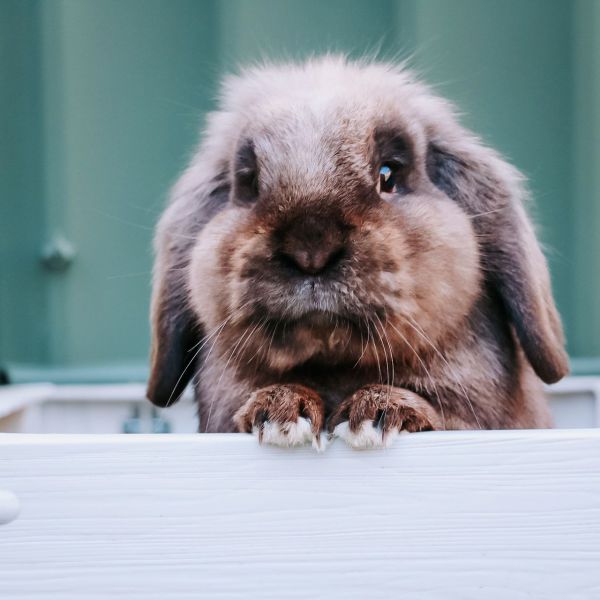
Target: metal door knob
{"points": [[58, 254]]}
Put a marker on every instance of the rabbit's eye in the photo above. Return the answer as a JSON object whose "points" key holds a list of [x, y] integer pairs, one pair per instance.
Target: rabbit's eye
{"points": [[387, 178], [246, 174]]}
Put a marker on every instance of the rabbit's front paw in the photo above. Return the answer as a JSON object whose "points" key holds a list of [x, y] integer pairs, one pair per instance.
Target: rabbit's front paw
{"points": [[283, 415], [374, 415]]}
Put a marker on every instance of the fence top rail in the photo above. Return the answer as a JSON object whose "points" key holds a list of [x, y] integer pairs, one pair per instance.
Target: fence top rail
{"points": [[438, 516], [249, 443]]}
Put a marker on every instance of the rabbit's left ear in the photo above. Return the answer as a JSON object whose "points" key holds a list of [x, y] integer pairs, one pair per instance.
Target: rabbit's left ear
{"points": [[490, 191]]}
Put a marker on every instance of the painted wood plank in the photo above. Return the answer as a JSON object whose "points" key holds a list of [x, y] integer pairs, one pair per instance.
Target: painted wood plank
{"points": [[9, 507], [492, 515]]}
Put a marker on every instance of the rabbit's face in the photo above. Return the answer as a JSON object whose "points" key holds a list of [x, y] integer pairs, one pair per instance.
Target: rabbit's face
{"points": [[337, 213], [334, 243]]}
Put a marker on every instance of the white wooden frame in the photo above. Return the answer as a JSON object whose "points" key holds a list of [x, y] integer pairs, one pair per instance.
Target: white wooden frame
{"points": [[467, 515], [85, 408]]}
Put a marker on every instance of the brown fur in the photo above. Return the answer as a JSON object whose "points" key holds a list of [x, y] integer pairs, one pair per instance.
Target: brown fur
{"points": [[281, 404], [389, 407], [281, 263]]}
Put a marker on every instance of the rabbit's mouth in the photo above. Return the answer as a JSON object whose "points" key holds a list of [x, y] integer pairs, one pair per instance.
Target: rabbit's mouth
{"points": [[317, 333], [316, 337], [314, 301], [328, 320], [317, 321]]}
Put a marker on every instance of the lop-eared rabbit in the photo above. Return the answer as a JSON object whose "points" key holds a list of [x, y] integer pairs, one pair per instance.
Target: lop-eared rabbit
{"points": [[342, 256]]}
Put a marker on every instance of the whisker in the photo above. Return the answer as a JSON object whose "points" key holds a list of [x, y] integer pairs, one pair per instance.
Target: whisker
{"points": [[236, 312], [381, 336], [122, 221], [489, 212], [220, 328], [362, 343], [262, 323], [247, 334], [443, 358], [236, 362], [128, 275], [432, 381], [390, 383], [372, 338]]}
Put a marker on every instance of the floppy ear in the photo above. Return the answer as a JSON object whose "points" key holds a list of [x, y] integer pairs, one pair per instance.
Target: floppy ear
{"points": [[175, 332], [200, 193], [490, 190]]}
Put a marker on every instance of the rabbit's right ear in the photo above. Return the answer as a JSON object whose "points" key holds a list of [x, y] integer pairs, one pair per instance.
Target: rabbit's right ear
{"points": [[175, 333], [490, 191]]}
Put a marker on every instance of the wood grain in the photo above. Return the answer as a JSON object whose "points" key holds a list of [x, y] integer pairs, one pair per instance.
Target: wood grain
{"points": [[469, 515]]}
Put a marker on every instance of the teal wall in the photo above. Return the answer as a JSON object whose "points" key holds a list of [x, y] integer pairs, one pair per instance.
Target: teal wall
{"points": [[101, 101], [24, 319]]}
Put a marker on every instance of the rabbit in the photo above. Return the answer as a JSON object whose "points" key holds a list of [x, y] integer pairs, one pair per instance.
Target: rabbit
{"points": [[341, 258]]}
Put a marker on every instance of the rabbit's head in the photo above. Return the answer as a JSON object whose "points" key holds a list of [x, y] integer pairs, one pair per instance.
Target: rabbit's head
{"points": [[337, 212]]}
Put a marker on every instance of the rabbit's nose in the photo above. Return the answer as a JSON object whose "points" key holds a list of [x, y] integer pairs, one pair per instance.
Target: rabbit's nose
{"points": [[313, 261], [312, 247]]}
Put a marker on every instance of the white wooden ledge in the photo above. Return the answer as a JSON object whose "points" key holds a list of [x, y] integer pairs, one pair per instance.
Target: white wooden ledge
{"points": [[465, 515]]}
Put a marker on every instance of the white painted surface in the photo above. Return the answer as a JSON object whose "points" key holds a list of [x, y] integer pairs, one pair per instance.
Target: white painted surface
{"points": [[14, 398], [9, 507], [460, 515], [90, 408], [575, 402]]}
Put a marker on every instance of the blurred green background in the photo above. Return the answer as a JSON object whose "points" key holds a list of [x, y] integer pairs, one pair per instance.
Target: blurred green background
{"points": [[101, 102]]}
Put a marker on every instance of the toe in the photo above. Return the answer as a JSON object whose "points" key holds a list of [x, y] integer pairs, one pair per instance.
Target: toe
{"points": [[288, 434], [364, 437]]}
